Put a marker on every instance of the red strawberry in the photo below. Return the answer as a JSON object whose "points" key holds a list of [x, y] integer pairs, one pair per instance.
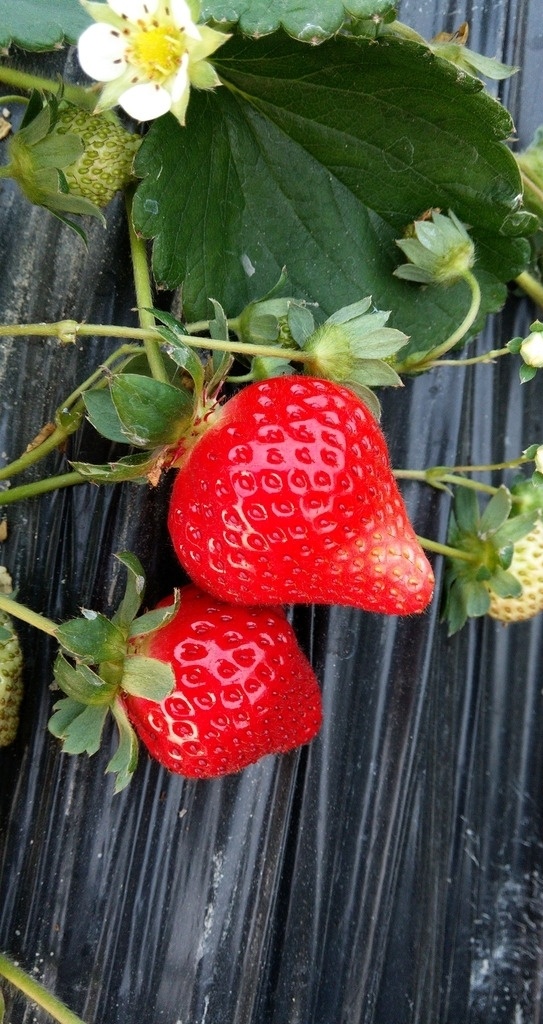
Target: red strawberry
{"points": [[289, 497], [243, 688]]}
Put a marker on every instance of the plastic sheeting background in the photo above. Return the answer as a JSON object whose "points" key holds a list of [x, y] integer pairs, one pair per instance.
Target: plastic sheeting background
{"points": [[390, 873]]}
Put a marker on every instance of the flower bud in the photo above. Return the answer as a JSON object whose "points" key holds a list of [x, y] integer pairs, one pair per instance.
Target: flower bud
{"points": [[264, 322], [531, 349]]}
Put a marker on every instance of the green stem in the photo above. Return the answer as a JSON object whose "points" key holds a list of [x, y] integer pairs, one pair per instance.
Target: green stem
{"points": [[144, 296], [33, 490], [434, 478], [68, 418], [151, 334], [37, 992], [22, 80], [20, 611], [444, 549], [58, 436], [512, 464], [487, 357], [532, 287], [430, 358], [13, 98]]}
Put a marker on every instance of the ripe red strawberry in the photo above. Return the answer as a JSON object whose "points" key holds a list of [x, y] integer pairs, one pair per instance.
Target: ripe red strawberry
{"points": [[289, 497], [244, 688]]}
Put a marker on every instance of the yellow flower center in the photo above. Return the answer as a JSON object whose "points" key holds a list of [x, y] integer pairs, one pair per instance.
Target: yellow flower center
{"points": [[157, 50]]}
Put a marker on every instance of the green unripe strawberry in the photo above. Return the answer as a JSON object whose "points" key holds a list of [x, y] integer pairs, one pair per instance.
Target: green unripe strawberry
{"points": [[69, 160], [11, 684], [105, 166], [527, 566]]}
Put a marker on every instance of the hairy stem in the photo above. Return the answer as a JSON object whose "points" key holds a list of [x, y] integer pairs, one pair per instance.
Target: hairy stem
{"points": [[20, 611], [151, 334], [486, 357], [434, 477], [144, 296], [33, 490], [67, 420], [445, 549], [531, 286], [37, 992], [430, 359], [26, 82]]}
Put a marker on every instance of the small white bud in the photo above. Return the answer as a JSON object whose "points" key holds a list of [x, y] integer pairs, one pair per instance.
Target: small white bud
{"points": [[531, 349]]}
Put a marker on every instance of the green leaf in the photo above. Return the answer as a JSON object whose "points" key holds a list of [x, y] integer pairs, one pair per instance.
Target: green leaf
{"points": [[124, 761], [151, 412], [317, 158], [154, 620], [221, 361], [41, 26], [496, 512], [79, 727], [306, 19], [92, 639], [516, 527], [147, 677], [376, 373], [135, 589], [82, 684], [183, 355], [103, 415], [477, 598], [504, 584], [129, 467], [466, 510]]}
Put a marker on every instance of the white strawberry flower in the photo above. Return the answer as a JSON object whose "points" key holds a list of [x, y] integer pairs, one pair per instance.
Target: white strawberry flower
{"points": [[148, 53]]}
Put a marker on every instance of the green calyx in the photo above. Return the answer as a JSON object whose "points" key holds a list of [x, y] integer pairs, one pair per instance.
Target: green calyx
{"points": [[351, 347], [439, 250], [488, 538], [98, 659], [68, 160]]}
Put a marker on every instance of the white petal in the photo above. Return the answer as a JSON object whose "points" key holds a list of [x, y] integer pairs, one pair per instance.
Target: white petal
{"points": [[134, 10], [101, 52], [183, 18], [145, 102], [181, 80]]}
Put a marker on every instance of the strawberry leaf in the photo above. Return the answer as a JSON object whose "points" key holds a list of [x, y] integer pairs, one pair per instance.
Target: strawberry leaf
{"points": [[496, 512], [476, 597], [129, 467], [154, 620], [41, 26], [147, 677], [317, 159], [466, 511], [151, 412], [504, 584], [92, 639], [101, 412], [82, 684], [78, 726], [124, 761], [135, 589], [306, 19]]}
